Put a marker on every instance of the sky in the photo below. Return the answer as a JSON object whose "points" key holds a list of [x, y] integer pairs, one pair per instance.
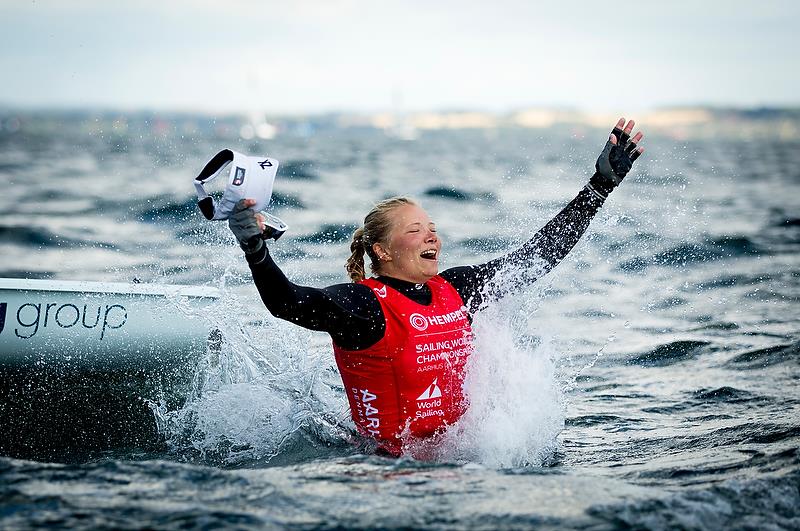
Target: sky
{"points": [[313, 56]]}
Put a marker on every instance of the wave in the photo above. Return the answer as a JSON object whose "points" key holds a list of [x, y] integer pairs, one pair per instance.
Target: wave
{"points": [[667, 303], [686, 254], [704, 397], [692, 253], [329, 233], [298, 169], [595, 420], [733, 246], [634, 265], [286, 200], [788, 222], [751, 433], [716, 326], [764, 503], [448, 193], [764, 357], [487, 244], [723, 394], [671, 353], [39, 237], [20, 273], [168, 211], [12, 167], [728, 281], [457, 194]]}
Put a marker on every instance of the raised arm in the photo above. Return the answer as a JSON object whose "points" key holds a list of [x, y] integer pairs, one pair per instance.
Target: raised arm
{"points": [[350, 313], [551, 243]]}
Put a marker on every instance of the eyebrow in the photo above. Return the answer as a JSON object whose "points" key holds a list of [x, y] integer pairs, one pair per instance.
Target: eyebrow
{"points": [[420, 223]]}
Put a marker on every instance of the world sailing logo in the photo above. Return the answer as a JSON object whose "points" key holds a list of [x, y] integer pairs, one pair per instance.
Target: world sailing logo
{"points": [[432, 391]]}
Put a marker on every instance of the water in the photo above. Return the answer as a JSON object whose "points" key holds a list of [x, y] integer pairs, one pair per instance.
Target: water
{"points": [[650, 381]]}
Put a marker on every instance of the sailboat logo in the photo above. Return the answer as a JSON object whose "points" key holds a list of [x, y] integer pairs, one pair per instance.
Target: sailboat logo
{"points": [[3, 306], [432, 391]]}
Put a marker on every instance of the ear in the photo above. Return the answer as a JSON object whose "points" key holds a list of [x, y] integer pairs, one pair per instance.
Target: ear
{"points": [[382, 254]]}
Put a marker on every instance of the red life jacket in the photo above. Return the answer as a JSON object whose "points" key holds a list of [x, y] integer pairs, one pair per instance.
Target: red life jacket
{"points": [[409, 382]]}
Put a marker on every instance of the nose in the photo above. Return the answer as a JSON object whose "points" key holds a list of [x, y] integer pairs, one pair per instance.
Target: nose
{"points": [[431, 238]]}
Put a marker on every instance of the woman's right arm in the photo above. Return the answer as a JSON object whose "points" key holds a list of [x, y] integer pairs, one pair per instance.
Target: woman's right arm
{"points": [[350, 313]]}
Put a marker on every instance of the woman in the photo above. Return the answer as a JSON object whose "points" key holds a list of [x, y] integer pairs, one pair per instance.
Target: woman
{"points": [[402, 338]]}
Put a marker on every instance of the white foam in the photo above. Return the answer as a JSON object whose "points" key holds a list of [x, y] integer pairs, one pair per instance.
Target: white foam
{"points": [[516, 408], [265, 383]]}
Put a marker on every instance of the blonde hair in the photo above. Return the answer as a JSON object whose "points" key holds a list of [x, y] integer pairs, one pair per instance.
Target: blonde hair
{"points": [[376, 229]]}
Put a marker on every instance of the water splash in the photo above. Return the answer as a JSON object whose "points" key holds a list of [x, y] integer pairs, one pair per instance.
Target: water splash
{"points": [[515, 400], [262, 390]]}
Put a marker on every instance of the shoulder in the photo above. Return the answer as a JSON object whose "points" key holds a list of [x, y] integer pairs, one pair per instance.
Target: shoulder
{"points": [[357, 289], [446, 282], [354, 299], [455, 273], [462, 276]]}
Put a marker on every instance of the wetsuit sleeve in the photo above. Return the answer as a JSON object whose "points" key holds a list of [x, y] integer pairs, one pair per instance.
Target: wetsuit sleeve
{"points": [[350, 313], [536, 257]]}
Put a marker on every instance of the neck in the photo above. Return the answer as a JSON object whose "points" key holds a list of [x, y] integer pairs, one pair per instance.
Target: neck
{"points": [[390, 272], [398, 282], [402, 278], [419, 293]]}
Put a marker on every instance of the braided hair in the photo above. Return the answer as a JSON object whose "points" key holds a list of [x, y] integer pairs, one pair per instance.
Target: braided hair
{"points": [[376, 229]]}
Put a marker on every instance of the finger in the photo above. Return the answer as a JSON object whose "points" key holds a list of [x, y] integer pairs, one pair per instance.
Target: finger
{"points": [[249, 202], [636, 154], [633, 143], [626, 133], [629, 127], [260, 219], [618, 128], [613, 138]]}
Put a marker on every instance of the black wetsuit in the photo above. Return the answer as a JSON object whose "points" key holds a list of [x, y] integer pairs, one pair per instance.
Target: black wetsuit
{"points": [[351, 313]]}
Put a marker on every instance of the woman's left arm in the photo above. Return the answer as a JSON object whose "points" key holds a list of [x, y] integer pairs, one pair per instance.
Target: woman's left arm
{"points": [[555, 240]]}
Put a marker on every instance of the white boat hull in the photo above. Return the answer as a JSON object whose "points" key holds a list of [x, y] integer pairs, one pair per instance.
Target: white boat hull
{"points": [[98, 325]]}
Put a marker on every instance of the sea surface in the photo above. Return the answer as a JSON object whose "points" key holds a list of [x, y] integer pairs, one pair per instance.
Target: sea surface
{"points": [[651, 381]]}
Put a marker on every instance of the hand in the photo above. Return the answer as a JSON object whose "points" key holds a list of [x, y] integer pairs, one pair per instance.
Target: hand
{"points": [[617, 157], [246, 226]]}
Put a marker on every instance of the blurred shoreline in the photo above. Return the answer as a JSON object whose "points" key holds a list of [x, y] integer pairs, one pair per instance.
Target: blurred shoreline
{"points": [[677, 122]]}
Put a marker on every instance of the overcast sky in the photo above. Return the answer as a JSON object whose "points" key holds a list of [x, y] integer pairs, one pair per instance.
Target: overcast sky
{"points": [[342, 55]]}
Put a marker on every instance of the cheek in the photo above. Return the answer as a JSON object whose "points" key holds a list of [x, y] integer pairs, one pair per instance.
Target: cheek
{"points": [[404, 246]]}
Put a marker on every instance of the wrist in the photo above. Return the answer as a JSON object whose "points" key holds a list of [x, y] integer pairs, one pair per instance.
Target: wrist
{"points": [[258, 256], [594, 195], [252, 245], [601, 185]]}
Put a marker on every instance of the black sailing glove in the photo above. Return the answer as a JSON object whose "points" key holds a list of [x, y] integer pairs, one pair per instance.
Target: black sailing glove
{"points": [[244, 226], [616, 160]]}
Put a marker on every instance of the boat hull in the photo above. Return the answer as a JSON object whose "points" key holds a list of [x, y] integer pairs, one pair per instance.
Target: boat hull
{"points": [[101, 325]]}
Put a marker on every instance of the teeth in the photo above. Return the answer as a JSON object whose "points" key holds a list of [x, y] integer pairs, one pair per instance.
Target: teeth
{"points": [[428, 254]]}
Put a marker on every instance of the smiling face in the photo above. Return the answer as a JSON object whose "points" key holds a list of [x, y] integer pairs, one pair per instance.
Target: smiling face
{"points": [[412, 252]]}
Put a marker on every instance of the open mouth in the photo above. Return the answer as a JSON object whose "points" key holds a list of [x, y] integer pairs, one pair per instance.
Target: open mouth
{"points": [[429, 254]]}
